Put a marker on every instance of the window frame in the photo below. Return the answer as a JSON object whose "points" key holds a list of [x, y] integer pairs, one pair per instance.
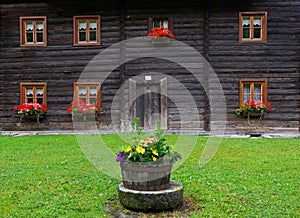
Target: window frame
{"points": [[34, 85], [263, 16], [34, 19], [162, 17], [263, 83], [87, 84], [76, 20]]}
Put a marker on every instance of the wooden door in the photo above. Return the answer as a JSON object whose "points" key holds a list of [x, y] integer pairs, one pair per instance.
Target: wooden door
{"points": [[149, 102]]}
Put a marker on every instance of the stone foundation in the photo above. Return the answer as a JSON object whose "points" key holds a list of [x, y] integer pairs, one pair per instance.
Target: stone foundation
{"points": [[168, 199]]}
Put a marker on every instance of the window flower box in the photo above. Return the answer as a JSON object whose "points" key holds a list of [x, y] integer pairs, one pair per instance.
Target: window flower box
{"points": [[253, 108], [158, 41], [161, 36], [31, 111], [254, 114], [82, 111]]}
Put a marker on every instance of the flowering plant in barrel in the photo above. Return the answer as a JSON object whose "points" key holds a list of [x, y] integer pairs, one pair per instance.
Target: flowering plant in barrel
{"points": [[147, 162]]}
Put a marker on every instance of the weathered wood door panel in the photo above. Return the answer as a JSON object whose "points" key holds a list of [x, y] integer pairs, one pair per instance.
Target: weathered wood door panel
{"points": [[149, 102]]}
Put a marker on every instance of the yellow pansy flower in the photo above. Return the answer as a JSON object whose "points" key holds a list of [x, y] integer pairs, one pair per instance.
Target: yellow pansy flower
{"points": [[129, 148], [154, 158], [140, 150], [154, 152]]}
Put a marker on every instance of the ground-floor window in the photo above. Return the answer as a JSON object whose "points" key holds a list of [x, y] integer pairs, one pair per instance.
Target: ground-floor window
{"points": [[253, 90], [89, 92], [33, 92]]}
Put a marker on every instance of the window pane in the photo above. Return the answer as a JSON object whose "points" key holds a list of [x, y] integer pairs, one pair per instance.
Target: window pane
{"points": [[82, 91], [83, 99], [246, 88], [29, 100], [257, 33], [39, 92], [29, 37], [39, 37], [82, 25], [257, 22], [92, 100], [247, 91], [246, 22], [246, 33], [166, 24], [82, 36], [257, 97], [29, 92], [29, 26], [246, 27], [39, 26], [29, 95], [257, 88], [93, 36], [93, 91], [257, 92], [39, 100], [157, 23], [246, 97], [93, 25]]}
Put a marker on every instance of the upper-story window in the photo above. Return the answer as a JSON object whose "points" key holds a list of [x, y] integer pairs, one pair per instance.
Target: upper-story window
{"points": [[253, 90], [87, 30], [33, 92], [89, 92], [33, 31], [158, 22], [253, 27]]}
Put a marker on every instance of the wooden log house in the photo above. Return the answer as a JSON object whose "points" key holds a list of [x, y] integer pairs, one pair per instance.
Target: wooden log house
{"points": [[251, 45]]}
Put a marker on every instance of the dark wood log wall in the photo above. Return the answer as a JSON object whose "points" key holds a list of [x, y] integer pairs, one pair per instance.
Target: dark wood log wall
{"points": [[277, 61], [209, 26]]}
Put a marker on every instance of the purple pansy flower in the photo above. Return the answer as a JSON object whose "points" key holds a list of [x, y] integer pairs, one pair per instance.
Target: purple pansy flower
{"points": [[120, 157]]}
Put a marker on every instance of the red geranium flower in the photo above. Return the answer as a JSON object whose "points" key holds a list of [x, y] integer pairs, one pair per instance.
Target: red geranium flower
{"points": [[80, 107], [161, 32]]}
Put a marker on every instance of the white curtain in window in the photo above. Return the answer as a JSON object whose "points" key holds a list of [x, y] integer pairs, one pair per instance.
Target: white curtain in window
{"points": [[82, 25], [93, 91], [29, 92], [93, 25], [257, 21], [39, 26], [29, 26], [82, 91], [39, 92], [246, 22], [166, 24]]}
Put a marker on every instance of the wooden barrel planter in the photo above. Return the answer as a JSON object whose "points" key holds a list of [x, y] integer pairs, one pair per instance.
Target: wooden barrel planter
{"points": [[146, 176]]}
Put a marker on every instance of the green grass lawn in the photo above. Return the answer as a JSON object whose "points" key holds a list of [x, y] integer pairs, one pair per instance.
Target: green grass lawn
{"points": [[49, 176]]}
